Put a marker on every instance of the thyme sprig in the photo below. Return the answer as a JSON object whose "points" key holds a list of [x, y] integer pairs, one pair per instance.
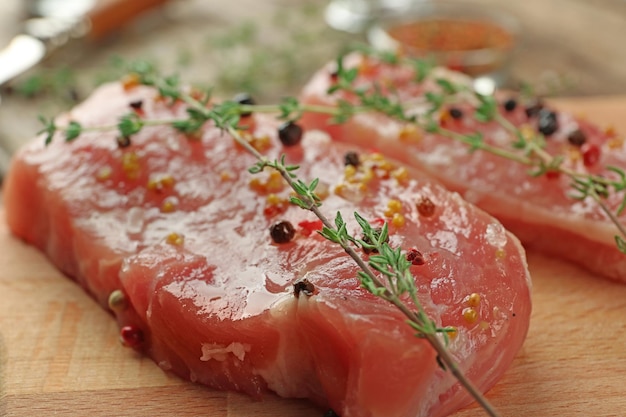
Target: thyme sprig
{"points": [[394, 279], [527, 151]]}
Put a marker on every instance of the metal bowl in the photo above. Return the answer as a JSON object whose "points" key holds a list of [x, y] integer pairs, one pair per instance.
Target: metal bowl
{"points": [[471, 38]]}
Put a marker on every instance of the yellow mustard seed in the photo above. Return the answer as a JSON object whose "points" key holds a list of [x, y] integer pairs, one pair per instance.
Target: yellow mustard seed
{"points": [[500, 253], [452, 332], [226, 176], [256, 184], [470, 315], [397, 220], [104, 173], [175, 239], [368, 176], [167, 180], [527, 131], [394, 205], [349, 171], [322, 190], [386, 166], [615, 143], [484, 325], [275, 182], [473, 300], [130, 165], [400, 174], [377, 156], [444, 116], [168, 206], [573, 153], [153, 184], [261, 143], [117, 301], [160, 182], [130, 81], [273, 199], [610, 130], [410, 134], [340, 189]]}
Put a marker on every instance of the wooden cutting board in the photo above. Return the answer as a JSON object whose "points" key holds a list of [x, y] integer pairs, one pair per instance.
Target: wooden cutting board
{"points": [[60, 355]]}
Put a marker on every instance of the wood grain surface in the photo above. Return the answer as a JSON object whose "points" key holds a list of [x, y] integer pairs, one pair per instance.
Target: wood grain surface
{"points": [[60, 355]]}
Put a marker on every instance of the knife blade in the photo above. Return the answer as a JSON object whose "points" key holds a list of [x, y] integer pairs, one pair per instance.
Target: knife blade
{"points": [[22, 53], [54, 27], [57, 22]]}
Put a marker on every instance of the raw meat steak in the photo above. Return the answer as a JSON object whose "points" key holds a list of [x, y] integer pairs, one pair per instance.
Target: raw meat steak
{"points": [[179, 231], [539, 210]]}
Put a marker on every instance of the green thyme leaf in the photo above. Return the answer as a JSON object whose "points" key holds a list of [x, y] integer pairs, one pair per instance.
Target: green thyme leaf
{"points": [[621, 244], [130, 124], [49, 129], [72, 131]]}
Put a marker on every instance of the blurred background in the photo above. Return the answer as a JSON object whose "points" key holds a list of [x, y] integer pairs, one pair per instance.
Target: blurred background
{"points": [[271, 47]]}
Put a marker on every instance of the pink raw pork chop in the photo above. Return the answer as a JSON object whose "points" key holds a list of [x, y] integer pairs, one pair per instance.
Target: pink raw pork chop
{"points": [[539, 210], [179, 231]]}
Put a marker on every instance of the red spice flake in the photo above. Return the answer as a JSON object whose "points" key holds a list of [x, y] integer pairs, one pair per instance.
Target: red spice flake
{"points": [[415, 257], [197, 94], [426, 207], [131, 336], [368, 67], [275, 205], [308, 227], [591, 154], [274, 210], [553, 175], [379, 221]]}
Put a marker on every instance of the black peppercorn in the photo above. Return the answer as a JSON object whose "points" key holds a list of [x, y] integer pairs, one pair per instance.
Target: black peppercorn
{"points": [[136, 105], [425, 207], [455, 113], [303, 286], [290, 133], [351, 158], [577, 138], [123, 141], [510, 104], [282, 232], [331, 413], [547, 123], [244, 98]]}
